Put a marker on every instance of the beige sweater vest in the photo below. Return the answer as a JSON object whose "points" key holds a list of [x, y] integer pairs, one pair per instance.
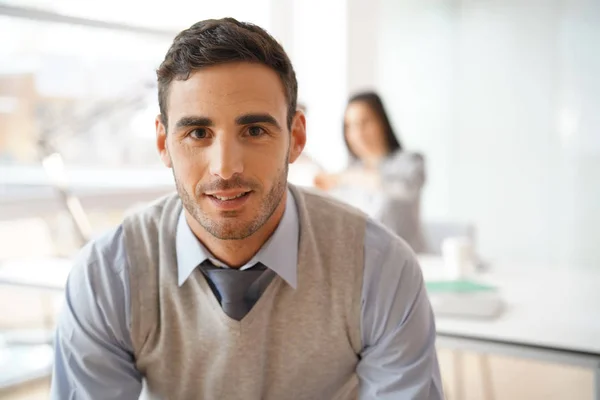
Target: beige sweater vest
{"points": [[295, 344]]}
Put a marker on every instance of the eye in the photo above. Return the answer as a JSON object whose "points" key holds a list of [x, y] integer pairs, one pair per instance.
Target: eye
{"points": [[200, 133], [255, 131]]}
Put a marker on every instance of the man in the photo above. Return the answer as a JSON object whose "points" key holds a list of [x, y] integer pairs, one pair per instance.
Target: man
{"points": [[241, 286]]}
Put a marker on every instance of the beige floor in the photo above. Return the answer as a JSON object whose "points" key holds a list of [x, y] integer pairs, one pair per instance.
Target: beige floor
{"points": [[513, 379], [34, 391], [518, 379]]}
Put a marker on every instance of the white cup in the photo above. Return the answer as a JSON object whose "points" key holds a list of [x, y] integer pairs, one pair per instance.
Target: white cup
{"points": [[458, 255]]}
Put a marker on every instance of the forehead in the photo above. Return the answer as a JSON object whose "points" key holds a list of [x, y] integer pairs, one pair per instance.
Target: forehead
{"points": [[228, 90], [358, 110]]}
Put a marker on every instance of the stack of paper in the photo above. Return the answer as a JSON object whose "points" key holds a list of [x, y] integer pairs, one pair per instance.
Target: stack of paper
{"points": [[465, 298]]}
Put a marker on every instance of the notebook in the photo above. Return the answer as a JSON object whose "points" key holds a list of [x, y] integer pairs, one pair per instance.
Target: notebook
{"points": [[457, 286], [464, 298]]}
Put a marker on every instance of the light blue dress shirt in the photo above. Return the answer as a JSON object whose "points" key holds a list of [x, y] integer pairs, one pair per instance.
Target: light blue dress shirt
{"points": [[94, 352]]}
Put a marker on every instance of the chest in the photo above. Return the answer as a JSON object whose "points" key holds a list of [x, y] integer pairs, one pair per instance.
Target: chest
{"points": [[289, 336]]}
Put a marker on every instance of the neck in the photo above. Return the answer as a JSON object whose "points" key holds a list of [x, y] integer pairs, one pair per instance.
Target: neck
{"points": [[373, 161], [236, 253]]}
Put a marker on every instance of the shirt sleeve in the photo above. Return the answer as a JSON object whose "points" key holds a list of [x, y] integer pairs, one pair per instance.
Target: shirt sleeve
{"points": [[93, 351], [399, 359]]}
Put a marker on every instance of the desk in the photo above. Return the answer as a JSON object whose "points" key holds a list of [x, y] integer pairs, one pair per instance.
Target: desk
{"points": [[551, 314]]}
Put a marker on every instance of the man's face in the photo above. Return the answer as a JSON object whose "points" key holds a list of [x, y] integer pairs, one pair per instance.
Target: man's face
{"points": [[228, 144]]}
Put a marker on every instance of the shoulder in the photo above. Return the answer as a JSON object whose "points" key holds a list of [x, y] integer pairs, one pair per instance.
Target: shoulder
{"points": [[406, 158], [108, 250], [385, 250], [329, 220], [319, 201], [107, 253], [98, 273], [390, 265], [404, 164], [152, 212], [143, 228], [104, 254]]}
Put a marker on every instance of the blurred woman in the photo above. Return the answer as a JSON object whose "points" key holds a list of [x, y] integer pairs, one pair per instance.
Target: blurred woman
{"points": [[382, 179]]}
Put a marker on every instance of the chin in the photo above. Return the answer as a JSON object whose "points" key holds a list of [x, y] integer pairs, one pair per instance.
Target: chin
{"points": [[231, 231]]}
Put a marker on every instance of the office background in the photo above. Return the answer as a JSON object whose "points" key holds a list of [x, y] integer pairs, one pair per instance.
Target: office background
{"points": [[501, 96]]}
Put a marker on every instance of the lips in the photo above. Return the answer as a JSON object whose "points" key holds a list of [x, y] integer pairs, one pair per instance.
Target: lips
{"points": [[228, 200], [225, 195], [224, 198]]}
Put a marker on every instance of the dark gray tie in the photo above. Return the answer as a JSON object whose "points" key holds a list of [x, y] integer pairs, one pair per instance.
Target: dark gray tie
{"points": [[237, 290]]}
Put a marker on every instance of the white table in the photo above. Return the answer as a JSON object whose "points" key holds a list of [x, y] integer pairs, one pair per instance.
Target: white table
{"points": [[551, 314]]}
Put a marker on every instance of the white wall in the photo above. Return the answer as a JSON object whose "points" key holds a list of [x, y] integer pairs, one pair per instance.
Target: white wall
{"points": [[362, 44], [319, 57], [579, 130], [333, 47], [502, 96], [415, 75]]}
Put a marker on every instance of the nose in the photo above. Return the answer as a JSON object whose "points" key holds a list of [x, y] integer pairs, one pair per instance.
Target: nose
{"points": [[226, 157]]}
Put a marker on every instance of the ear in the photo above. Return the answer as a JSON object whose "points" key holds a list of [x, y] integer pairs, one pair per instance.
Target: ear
{"points": [[298, 136], [161, 141]]}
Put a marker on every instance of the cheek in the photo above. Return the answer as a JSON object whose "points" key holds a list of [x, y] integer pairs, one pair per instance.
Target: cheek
{"points": [[188, 166], [265, 167], [370, 132], [266, 164], [373, 137], [376, 133], [352, 136], [359, 138]]}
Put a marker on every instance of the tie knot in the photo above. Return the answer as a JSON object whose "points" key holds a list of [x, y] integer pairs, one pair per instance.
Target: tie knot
{"points": [[232, 284], [237, 290]]}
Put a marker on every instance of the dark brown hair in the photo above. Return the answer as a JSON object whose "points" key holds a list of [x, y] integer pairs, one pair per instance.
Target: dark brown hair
{"points": [[219, 41], [373, 101]]}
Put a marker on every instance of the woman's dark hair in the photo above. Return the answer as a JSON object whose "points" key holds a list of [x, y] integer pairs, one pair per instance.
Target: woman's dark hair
{"points": [[373, 100], [220, 41]]}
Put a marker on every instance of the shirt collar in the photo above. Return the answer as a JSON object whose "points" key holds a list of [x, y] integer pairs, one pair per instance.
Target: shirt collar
{"points": [[279, 253]]}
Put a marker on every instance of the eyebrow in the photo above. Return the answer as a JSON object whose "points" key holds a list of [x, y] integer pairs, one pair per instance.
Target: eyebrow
{"points": [[193, 121], [257, 118], [247, 119]]}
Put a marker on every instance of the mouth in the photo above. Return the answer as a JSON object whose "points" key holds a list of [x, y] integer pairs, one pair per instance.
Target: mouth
{"points": [[230, 197], [229, 200]]}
